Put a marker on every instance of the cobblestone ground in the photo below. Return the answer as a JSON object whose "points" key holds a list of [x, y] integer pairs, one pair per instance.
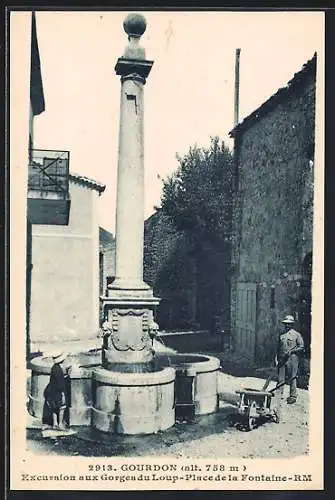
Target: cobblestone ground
{"points": [[209, 436]]}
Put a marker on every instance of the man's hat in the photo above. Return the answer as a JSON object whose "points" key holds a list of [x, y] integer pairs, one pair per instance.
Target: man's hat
{"points": [[288, 319], [58, 357]]}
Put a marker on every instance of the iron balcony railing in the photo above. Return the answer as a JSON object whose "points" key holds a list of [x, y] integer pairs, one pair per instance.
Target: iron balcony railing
{"points": [[49, 172]]}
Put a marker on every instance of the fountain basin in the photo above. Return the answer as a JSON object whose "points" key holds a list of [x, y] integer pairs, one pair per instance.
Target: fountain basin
{"points": [[204, 369], [133, 403], [116, 401]]}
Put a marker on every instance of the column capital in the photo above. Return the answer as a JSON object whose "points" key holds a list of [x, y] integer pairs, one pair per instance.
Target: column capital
{"points": [[133, 68], [135, 77]]}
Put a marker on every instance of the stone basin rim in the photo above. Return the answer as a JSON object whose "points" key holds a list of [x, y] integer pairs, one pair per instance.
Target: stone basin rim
{"points": [[162, 376], [200, 362], [43, 364]]}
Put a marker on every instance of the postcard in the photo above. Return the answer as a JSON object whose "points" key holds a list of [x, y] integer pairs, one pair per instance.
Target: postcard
{"points": [[166, 250]]}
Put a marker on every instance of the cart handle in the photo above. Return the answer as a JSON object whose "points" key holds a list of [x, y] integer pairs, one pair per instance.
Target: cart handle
{"points": [[281, 385]]}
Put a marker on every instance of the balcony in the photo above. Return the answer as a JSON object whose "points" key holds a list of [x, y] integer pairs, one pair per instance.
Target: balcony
{"points": [[48, 187]]}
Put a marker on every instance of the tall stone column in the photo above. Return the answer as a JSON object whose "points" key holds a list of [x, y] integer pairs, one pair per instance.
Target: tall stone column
{"points": [[129, 303]]}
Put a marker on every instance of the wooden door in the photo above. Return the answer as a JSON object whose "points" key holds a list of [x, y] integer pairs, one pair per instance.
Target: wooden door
{"points": [[245, 322]]}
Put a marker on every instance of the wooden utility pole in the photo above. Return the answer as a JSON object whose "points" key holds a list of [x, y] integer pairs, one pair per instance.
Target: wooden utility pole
{"points": [[237, 86]]}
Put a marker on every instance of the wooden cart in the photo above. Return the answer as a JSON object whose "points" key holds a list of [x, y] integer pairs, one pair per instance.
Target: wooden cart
{"points": [[257, 405], [254, 406]]}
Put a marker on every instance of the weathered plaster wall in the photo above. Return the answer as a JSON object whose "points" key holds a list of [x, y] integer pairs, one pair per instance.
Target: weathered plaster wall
{"points": [[65, 274]]}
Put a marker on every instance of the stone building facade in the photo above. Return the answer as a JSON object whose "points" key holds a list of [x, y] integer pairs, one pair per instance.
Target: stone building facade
{"points": [[273, 217]]}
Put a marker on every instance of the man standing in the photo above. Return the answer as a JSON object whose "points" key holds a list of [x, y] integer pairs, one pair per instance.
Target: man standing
{"points": [[290, 346]]}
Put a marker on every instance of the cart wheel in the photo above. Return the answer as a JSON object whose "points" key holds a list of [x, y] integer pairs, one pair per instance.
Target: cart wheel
{"points": [[252, 416]]}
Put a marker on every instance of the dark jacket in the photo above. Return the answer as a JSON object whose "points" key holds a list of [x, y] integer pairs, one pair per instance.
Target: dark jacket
{"points": [[290, 342], [55, 391]]}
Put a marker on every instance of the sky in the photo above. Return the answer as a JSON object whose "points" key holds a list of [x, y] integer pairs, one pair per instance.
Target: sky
{"points": [[189, 94]]}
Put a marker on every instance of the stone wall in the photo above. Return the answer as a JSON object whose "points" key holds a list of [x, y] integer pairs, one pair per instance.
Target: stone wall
{"points": [[273, 213]]}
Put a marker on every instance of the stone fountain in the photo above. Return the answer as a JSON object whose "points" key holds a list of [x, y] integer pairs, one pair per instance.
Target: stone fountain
{"points": [[127, 388]]}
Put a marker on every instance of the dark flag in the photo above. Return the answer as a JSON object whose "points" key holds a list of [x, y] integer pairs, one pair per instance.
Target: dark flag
{"points": [[36, 84]]}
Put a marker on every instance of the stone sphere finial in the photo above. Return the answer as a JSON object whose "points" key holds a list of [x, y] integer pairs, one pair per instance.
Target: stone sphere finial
{"points": [[135, 25]]}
